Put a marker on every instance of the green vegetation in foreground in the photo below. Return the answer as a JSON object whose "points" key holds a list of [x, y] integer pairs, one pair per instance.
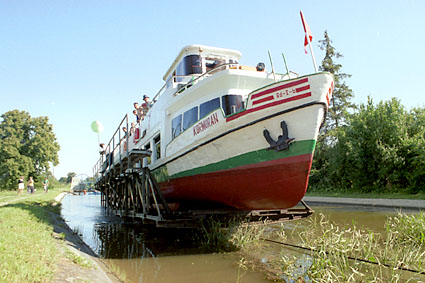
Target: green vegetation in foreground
{"points": [[228, 235], [365, 195], [400, 246], [28, 250], [333, 250]]}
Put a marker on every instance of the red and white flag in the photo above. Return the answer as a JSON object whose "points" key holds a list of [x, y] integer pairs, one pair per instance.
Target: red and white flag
{"points": [[308, 35]]}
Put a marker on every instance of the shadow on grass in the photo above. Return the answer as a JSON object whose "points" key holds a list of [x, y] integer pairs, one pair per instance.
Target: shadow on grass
{"points": [[130, 240], [48, 212]]}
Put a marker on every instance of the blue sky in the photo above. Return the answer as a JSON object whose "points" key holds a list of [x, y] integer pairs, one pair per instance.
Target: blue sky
{"points": [[80, 61]]}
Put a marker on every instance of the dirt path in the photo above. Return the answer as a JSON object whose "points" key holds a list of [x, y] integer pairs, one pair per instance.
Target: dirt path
{"points": [[13, 200]]}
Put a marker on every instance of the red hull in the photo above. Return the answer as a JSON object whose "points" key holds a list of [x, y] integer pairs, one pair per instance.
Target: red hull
{"points": [[276, 184]]}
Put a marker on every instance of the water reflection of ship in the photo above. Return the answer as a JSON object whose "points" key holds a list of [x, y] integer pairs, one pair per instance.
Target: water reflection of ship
{"points": [[120, 241]]}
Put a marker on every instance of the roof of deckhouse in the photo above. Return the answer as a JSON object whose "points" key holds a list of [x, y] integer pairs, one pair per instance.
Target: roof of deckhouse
{"points": [[205, 50]]}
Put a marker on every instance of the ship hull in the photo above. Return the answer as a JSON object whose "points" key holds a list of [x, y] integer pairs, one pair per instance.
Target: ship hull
{"points": [[237, 167], [271, 184]]}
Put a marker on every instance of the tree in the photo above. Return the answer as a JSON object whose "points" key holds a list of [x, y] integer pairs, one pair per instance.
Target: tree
{"points": [[342, 94], [69, 177], [382, 150], [27, 145], [336, 117]]}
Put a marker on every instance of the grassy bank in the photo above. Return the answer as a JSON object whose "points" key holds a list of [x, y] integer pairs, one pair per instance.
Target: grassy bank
{"points": [[28, 247]]}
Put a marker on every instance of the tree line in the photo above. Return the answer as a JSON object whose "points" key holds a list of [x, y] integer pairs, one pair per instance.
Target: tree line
{"points": [[27, 146], [371, 147]]}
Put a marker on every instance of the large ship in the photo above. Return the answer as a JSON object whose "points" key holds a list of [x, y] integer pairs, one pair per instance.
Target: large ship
{"points": [[222, 134]]}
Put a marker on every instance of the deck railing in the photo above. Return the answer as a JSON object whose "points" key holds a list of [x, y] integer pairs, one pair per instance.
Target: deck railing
{"points": [[117, 147], [113, 148]]}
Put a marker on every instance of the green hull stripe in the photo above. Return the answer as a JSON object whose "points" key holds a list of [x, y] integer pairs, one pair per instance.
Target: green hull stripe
{"points": [[258, 156]]}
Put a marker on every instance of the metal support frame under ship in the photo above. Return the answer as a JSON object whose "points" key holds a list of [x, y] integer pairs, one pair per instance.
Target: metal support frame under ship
{"points": [[131, 192]]}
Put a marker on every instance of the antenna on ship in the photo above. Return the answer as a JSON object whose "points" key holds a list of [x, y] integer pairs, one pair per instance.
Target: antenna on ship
{"points": [[286, 66], [271, 63]]}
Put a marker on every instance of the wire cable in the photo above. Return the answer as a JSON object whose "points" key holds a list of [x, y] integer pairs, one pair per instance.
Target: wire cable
{"points": [[349, 257]]}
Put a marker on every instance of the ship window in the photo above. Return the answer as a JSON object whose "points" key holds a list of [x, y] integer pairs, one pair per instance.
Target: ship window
{"points": [[213, 63], [170, 79], [190, 117], [232, 103], [190, 64], [157, 142], [148, 147], [176, 126], [208, 107]]}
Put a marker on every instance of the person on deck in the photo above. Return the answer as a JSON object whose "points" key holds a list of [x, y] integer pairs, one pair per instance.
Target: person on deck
{"points": [[105, 161], [102, 148], [139, 111], [137, 116], [132, 128], [124, 138], [148, 101], [145, 109]]}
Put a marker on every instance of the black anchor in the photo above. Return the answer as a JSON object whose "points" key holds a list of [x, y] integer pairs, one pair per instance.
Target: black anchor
{"points": [[283, 140]]}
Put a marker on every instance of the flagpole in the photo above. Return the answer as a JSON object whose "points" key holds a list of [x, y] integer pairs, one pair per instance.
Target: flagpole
{"points": [[312, 54], [307, 36]]}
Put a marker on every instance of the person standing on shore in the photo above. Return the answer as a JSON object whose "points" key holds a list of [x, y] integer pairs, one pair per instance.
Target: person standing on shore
{"points": [[45, 184], [21, 185], [30, 185]]}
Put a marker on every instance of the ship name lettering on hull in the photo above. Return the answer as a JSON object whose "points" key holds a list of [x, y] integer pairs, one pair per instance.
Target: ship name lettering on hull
{"points": [[286, 92], [205, 124]]}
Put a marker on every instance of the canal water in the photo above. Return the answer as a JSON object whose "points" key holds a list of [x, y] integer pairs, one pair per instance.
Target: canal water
{"points": [[138, 254]]}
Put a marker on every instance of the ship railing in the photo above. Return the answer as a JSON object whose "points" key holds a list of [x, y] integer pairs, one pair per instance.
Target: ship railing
{"points": [[116, 150]]}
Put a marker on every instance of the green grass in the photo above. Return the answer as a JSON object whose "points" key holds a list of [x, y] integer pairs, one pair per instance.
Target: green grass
{"points": [[228, 235], [407, 230], [365, 195], [7, 196], [336, 252], [28, 250]]}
